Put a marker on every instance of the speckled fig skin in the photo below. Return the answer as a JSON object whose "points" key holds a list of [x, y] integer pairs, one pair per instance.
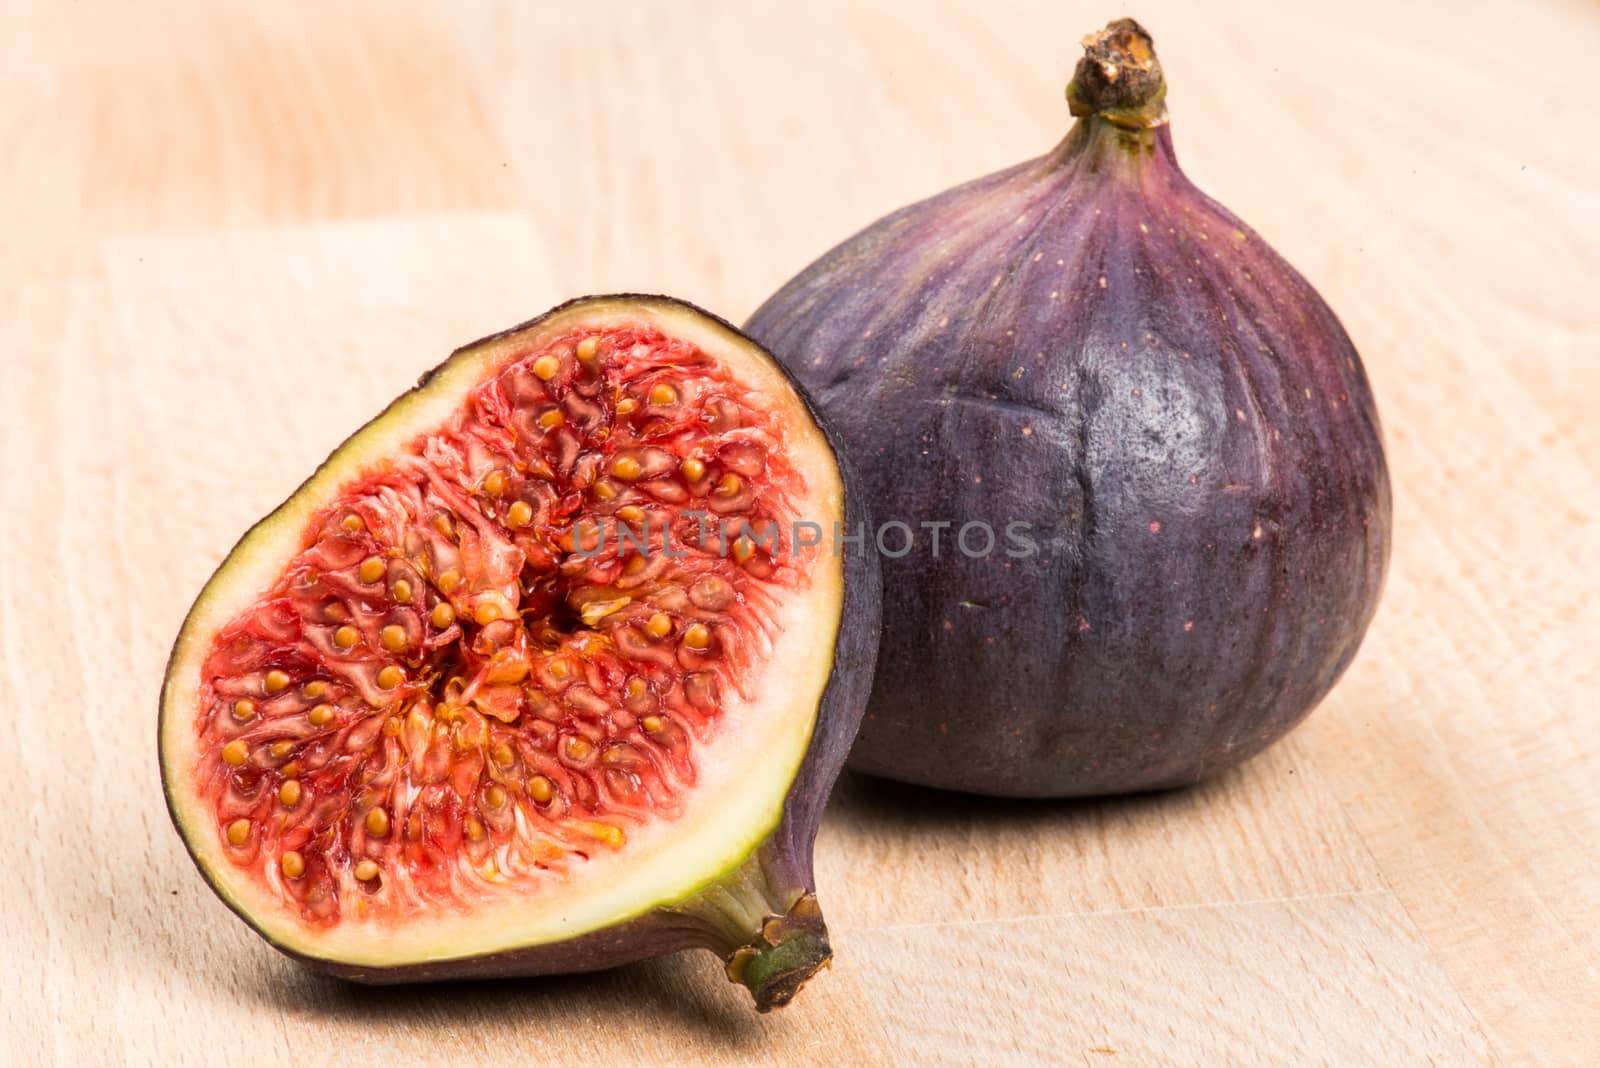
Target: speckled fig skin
{"points": [[776, 959], [1088, 344]]}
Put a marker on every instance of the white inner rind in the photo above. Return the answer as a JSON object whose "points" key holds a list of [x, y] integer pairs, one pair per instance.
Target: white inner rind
{"points": [[744, 770]]}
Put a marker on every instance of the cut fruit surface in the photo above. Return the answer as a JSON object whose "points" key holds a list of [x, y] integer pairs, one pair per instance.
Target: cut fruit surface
{"points": [[539, 650]]}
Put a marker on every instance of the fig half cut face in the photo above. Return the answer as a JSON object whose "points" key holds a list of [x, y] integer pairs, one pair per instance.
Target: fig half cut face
{"points": [[533, 674]]}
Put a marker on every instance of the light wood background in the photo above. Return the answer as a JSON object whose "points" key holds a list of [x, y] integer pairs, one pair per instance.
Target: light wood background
{"points": [[231, 232]]}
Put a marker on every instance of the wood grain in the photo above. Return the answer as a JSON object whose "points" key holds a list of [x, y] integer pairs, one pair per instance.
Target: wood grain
{"points": [[1342, 979], [234, 231]]}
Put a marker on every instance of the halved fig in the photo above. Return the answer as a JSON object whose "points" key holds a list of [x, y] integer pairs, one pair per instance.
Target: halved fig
{"points": [[549, 667]]}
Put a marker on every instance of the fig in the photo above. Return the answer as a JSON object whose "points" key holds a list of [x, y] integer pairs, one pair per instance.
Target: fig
{"points": [[1086, 353], [535, 674]]}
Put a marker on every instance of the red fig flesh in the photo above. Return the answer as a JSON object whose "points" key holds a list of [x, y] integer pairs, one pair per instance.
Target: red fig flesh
{"points": [[1087, 345]]}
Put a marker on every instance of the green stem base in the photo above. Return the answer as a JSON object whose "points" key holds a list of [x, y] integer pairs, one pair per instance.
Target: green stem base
{"points": [[789, 950], [763, 921]]}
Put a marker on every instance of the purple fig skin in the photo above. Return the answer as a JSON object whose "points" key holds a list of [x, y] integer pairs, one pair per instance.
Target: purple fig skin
{"points": [[785, 953], [1088, 344]]}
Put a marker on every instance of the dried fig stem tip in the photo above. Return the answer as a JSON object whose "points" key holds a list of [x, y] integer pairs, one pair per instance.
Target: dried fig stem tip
{"points": [[789, 950], [1119, 78]]}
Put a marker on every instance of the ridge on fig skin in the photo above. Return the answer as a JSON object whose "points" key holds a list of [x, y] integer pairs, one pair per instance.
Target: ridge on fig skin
{"points": [[1087, 343]]}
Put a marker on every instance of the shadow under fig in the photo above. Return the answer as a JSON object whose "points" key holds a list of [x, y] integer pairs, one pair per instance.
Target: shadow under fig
{"points": [[892, 807], [674, 995]]}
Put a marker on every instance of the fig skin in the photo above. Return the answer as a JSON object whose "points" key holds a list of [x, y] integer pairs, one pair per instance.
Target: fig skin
{"points": [[772, 960], [1088, 344]]}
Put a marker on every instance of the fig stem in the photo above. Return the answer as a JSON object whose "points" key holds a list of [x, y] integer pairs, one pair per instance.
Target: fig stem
{"points": [[763, 920], [1119, 78], [789, 950]]}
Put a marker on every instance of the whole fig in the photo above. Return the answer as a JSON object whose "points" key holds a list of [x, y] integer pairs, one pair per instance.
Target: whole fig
{"points": [[1088, 352]]}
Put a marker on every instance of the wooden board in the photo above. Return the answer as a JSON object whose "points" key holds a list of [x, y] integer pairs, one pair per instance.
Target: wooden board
{"points": [[233, 231]]}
